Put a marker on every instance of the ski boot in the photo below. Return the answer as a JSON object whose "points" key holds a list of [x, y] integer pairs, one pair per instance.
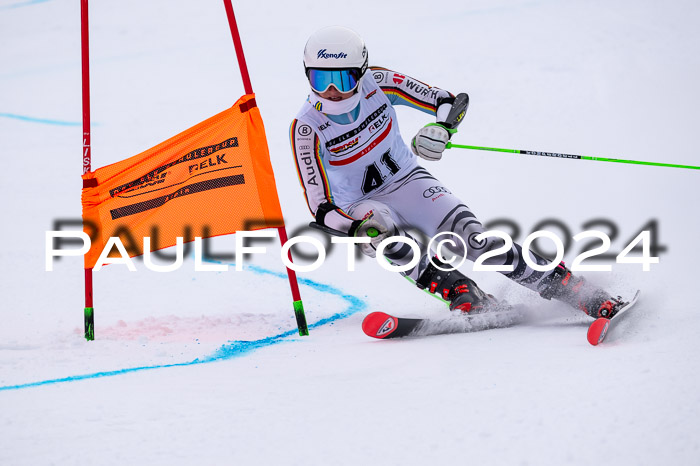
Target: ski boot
{"points": [[562, 285], [461, 292]]}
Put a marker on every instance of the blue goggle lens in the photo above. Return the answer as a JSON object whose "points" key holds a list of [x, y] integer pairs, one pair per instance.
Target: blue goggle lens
{"points": [[343, 80]]}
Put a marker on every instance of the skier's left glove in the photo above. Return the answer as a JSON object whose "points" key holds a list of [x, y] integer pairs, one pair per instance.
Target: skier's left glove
{"points": [[429, 143], [372, 229]]}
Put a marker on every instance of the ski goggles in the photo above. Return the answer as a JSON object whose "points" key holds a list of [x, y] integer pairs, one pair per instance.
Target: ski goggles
{"points": [[343, 80]]}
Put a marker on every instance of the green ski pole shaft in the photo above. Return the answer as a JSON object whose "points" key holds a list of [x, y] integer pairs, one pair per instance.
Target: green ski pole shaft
{"points": [[569, 156]]}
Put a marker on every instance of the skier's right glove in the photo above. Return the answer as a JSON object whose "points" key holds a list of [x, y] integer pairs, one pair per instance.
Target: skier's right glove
{"points": [[369, 228], [429, 143]]}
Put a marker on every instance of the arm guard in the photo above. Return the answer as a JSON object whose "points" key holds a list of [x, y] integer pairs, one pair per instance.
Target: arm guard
{"points": [[455, 107]]}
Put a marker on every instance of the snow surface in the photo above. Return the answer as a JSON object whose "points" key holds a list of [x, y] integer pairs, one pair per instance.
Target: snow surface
{"points": [[206, 368]]}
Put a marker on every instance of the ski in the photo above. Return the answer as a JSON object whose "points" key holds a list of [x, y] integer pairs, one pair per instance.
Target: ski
{"points": [[383, 326], [599, 328]]}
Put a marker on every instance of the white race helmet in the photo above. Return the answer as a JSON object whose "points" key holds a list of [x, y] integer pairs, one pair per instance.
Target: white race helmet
{"points": [[335, 47]]}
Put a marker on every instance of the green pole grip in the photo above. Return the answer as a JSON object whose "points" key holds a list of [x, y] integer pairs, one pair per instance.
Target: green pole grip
{"points": [[301, 318], [89, 324]]}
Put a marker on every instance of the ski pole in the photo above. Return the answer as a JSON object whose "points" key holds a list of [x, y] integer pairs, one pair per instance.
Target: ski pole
{"points": [[569, 156]]}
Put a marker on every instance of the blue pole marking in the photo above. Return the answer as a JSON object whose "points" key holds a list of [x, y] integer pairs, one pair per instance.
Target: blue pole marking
{"points": [[41, 120], [229, 350]]}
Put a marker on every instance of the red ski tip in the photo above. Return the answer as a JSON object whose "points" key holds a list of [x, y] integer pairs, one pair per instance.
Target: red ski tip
{"points": [[597, 330], [379, 325]]}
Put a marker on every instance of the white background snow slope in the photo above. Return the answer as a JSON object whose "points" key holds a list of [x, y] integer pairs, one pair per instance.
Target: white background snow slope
{"points": [[599, 78]]}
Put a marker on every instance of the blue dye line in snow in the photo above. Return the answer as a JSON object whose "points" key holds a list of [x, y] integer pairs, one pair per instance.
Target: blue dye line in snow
{"points": [[41, 120], [21, 4], [229, 350]]}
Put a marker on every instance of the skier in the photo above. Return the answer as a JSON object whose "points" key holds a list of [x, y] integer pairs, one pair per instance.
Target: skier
{"points": [[361, 180]]}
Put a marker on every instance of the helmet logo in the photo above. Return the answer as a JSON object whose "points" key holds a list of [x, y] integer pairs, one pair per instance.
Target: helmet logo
{"points": [[323, 54]]}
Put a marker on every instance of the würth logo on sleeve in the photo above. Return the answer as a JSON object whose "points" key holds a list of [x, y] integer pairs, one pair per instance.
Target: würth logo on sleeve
{"points": [[398, 78]]}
